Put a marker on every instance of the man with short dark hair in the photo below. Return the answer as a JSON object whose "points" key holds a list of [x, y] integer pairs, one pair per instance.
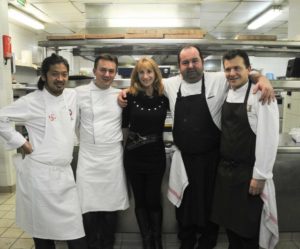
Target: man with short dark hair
{"points": [[249, 139], [47, 204], [100, 173]]}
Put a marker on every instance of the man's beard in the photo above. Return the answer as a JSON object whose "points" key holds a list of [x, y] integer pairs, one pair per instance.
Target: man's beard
{"points": [[192, 75]]}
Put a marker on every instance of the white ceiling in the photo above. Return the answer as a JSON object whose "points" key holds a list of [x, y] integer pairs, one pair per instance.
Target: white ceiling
{"points": [[221, 19]]}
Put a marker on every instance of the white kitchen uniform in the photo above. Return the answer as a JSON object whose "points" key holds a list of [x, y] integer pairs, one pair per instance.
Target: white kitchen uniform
{"points": [[47, 204], [264, 122], [216, 87], [100, 174]]}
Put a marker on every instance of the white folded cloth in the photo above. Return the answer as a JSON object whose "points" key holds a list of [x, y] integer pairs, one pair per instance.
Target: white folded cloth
{"points": [[269, 235], [178, 179], [295, 133]]}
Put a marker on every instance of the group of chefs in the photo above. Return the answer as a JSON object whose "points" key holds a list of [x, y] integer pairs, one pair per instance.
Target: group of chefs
{"points": [[226, 135]]}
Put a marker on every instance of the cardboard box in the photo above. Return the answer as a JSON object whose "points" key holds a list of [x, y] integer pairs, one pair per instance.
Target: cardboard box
{"points": [[184, 32], [256, 37], [66, 37], [144, 36], [104, 36], [183, 36]]}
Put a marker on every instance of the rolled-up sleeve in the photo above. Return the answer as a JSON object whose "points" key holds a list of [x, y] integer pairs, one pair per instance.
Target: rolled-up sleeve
{"points": [[267, 137]]}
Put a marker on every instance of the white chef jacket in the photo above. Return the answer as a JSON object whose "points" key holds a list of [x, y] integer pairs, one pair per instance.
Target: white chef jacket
{"points": [[264, 121], [101, 180], [107, 123], [216, 87], [30, 110], [45, 183]]}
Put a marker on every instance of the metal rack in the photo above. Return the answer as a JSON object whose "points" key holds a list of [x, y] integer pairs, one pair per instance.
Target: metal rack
{"points": [[90, 47], [286, 85]]}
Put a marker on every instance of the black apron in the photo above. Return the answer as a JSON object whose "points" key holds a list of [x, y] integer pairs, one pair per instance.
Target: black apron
{"points": [[234, 207], [198, 138]]}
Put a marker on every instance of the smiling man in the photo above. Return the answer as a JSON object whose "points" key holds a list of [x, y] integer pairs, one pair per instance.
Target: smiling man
{"points": [[47, 204], [249, 142], [100, 172]]}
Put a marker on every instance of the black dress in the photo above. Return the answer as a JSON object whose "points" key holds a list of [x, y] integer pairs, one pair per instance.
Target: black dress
{"points": [[145, 115]]}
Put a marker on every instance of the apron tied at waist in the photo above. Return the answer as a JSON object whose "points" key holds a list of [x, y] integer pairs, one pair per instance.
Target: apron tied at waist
{"points": [[135, 140], [49, 166]]}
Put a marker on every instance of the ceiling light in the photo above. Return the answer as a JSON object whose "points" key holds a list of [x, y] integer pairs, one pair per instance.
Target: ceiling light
{"points": [[265, 17], [24, 19]]}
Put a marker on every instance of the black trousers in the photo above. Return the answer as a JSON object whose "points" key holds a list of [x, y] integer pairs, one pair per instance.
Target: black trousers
{"points": [[100, 229], [238, 242], [49, 244], [193, 215], [146, 189], [207, 239]]}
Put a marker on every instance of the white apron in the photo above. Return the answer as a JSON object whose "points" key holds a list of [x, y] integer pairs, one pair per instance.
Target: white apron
{"points": [[101, 178], [47, 204], [100, 175]]}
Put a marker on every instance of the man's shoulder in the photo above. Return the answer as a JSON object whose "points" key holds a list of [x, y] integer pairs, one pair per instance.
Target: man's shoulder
{"points": [[216, 80], [172, 79], [115, 90], [215, 76], [82, 88], [82, 91], [171, 83], [35, 95], [70, 92]]}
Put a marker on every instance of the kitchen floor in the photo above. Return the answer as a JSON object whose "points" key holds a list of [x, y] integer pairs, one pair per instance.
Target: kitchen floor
{"points": [[12, 237]]}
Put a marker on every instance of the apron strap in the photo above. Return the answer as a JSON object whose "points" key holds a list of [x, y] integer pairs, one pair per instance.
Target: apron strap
{"points": [[248, 91]]}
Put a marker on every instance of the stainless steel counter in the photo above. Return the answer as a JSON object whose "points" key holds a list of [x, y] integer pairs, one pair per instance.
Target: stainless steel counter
{"points": [[287, 145], [287, 183]]}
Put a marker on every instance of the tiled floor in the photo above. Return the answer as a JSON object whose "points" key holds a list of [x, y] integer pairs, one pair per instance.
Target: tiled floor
{"points": [[12, 237]]}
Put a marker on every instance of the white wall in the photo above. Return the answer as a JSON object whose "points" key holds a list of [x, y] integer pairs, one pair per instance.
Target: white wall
{"points": [[7, 174], [24, 39], [274, 65]]}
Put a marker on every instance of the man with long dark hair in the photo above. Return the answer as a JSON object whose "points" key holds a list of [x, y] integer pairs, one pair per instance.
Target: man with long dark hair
{"points": [[47, 205]]}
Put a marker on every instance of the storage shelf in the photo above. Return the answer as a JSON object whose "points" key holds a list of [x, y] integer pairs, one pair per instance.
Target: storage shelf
{"points": [[286, 85], [91, 47], [29, 66]]}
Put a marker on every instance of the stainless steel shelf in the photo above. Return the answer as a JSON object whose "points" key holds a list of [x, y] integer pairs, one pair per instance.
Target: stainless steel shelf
{"points": [[286, 85], [170, 46], [287, 145]]}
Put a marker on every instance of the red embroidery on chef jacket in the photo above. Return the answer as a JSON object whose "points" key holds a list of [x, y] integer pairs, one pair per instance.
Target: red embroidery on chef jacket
{"points": [[52, 117]]}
